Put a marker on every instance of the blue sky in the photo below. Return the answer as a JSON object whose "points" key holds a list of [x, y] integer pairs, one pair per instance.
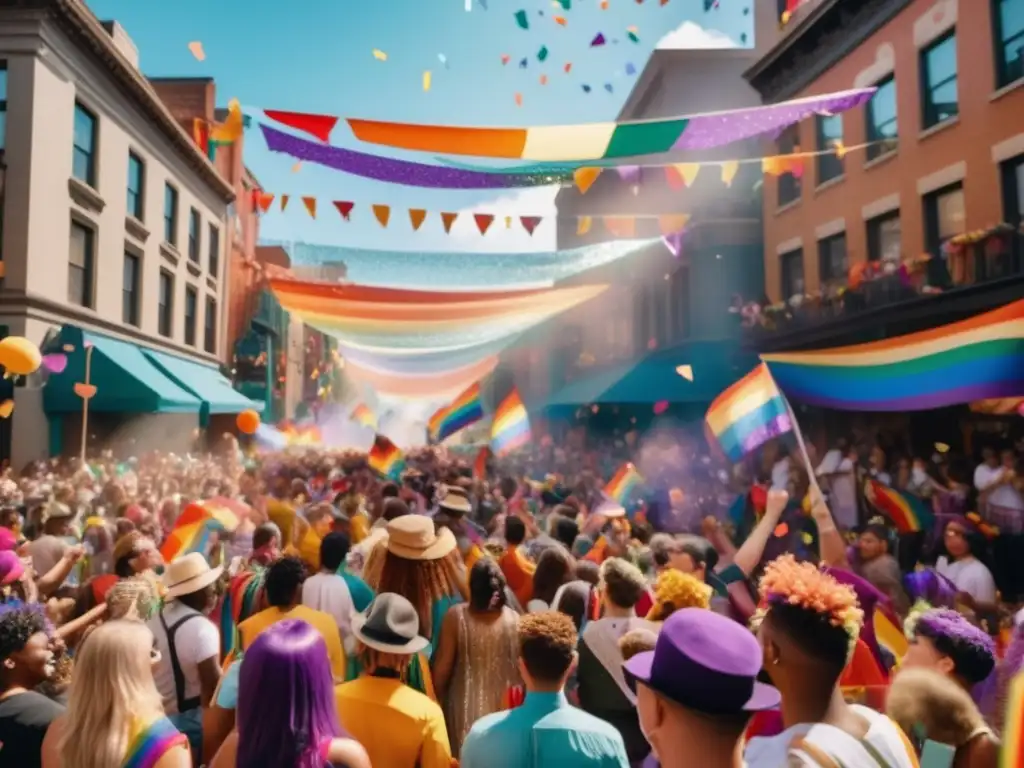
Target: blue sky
{"points": [[316, 56]]}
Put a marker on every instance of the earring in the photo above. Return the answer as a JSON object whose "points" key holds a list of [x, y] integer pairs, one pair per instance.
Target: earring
{"points": [[8, 664], [775, 662]]}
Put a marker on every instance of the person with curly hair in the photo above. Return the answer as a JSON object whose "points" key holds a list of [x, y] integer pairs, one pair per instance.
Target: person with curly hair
{"points": [[545, 730], [945, 641], [808, 627], [676, 590]]}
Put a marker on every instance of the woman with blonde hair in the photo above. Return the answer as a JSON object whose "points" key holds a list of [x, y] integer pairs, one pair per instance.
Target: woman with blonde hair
{"points": [[115, 715]]}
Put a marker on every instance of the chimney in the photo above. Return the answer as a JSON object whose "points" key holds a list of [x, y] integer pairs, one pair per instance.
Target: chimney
{"points": [[122, 42]]}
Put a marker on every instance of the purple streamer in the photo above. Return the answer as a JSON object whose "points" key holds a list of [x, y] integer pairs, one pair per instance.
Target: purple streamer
{"points": [[396, 171]]}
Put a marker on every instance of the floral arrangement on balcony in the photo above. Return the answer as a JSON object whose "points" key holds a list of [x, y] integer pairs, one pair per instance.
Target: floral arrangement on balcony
{"points": [[994, 237]]}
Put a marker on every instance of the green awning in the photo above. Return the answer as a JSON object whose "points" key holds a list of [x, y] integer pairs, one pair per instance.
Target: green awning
{"points": [[125, 380], [205, 382]]}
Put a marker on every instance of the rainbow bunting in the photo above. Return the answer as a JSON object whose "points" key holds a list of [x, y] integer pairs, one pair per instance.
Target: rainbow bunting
{"points": [[362, 414], [1012, 755], [975, 359], [464, 410], [748, 414], [889, 635], [622, 485], [908, 513], [510, 428], [385, 458]]}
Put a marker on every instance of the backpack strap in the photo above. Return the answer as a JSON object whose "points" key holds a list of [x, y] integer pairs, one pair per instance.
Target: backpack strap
{"points": [[184, 705]]}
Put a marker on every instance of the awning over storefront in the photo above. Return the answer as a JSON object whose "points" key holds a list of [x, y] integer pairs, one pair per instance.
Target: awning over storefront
{"points": [[205, 382], [125, 379], [715, 366]]}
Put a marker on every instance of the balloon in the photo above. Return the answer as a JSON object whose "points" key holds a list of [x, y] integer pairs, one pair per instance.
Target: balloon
{"points": [[248, 422], [19, 356]]}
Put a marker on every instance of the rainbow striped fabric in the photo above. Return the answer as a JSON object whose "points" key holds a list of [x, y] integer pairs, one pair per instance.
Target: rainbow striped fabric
{"points": [[975, 359], [510, 428], [1012, 755], [385, 458], [889, 634], [362, 414], [748, 414], [592, 141], [194, 527], [152, 743], [464, 410], [908, 513], [622, 485]]}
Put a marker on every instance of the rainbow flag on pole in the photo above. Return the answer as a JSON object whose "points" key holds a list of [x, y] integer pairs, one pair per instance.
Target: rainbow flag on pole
{"points": [[510, 428], [464, 410], [362, 414], [621, 486], [889, 634], [194, 527], [385, 458], [908, 513], [1012, 754], [748, 414]]}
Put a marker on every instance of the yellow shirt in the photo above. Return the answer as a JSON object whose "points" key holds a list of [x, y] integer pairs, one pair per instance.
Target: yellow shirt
{"points": [[322, 622], [398, 726], [359, 528], [309, 550]]}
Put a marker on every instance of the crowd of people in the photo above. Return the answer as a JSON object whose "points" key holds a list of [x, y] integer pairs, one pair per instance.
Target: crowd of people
{"points": [[508, 614]]}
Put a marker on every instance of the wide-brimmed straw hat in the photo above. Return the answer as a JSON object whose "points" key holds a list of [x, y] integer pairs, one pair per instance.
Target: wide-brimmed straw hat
{"points": [[453, 500], [189, 573], [390, 624], [413, 537]]}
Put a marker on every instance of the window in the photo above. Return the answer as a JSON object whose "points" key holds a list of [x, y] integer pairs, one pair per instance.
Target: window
{"points": [[881, 119], [130, 290], [170, 215], [1012, 173], [792, 268], [210, 327], [1008, 17], [191, 302], [166, 304], [885, 239], [789, 185], [81, 265], [938, 82], [829, 133], [943, 216], [193, 235], [83, 165], [136, 180], [832, 265], [3, 104], [214, 245]]}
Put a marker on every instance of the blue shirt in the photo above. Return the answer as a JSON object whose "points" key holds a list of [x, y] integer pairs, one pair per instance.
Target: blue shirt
{"points": [[545, 731]]}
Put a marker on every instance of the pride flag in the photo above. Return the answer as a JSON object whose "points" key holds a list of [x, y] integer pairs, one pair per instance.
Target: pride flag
{"points": [[464, 410], [194, 527], [385, 458], [510, 428], [362, 414], [435, 422], [480, 463], [1012, 755], [975, 359], [889, 634], [748, 414], [623, 483], [907, 512]]}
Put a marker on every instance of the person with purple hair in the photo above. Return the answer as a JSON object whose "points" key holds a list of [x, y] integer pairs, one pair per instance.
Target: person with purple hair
{"points": [[944, 640], [286, 715]]}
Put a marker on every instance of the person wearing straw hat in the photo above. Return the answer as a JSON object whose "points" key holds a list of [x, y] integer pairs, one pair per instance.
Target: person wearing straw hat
{"points": [[188, 671], [453, 506], [397, 725]]}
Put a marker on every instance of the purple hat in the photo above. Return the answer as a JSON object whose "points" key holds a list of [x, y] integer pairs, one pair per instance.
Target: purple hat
{"points": [[11, 567], [704, 662]]}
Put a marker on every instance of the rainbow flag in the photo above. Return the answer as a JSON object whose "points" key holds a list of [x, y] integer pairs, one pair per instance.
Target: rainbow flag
{"points": [[748, 414], [194, 527], [464, 410], [623, 483], [435, 422], [385, 458], [480, 463], [510, 428], [362, 414], [889, 634], [1012, 755], [975, 359], [908, 513]]}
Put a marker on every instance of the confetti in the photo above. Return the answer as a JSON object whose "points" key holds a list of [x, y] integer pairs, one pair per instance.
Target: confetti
{"points": [[608, 87], [942, 448], [297, 167], [560, 20], [630, 69], [524, 63], [660, 407], [55, 363], [566, 4], [522, 20], [519, 99], [604, 5], [807, 538], [426, 80], [781, 530], [633, 34], [505, 58], [542, 54], [686, 371], [443, 59], [586, 88], [543, 79], [598, 40], [69, 347], [196, 49], [567, 68], [379, 55], [6, 409]]}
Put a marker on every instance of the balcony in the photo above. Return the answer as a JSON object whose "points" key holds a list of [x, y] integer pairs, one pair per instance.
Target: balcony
{"points": [[269, 315], [973, 272]]}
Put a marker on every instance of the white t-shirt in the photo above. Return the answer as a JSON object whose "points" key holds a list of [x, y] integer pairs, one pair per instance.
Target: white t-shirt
{"points": [[195, 641], [329, 593], [783, 751], [969, 575], [1005, 495]]}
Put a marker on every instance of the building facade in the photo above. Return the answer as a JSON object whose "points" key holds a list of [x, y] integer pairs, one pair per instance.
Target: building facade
{"points": [[114, 242]]}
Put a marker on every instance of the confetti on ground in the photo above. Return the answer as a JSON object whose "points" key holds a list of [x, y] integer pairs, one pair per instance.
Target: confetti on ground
{"points": [[6, 409], [522, 20], [196, 48], [598, 40], [568, 67], [426, 80], [560, 20], [379, 55], [519, 99], [542, 54], [630, 69], [505, 58]]}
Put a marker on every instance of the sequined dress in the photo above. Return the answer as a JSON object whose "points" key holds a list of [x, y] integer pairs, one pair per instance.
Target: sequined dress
{"points": [[485, 667]]}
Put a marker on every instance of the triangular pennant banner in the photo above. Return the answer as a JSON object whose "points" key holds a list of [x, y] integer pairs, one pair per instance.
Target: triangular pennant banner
{"points": [[416, 217], [483, 222], [688, 171], [447, 219], [310, 203], [672, 223], [620, 226], [729, 170], [284, 202], [383, 214], [583, 225], [585, 178], [529, 222], [317, 126], [674, 178], [264, 201], [344, 208]]}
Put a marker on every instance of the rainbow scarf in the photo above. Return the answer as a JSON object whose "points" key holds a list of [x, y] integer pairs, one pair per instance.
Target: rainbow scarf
{"points": [[152, 743]]}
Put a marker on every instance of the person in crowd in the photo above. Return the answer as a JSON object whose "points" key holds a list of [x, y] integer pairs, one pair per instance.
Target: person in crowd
{"points": [[320, 519], [327, 591], [676, 590], [837, 473], [874, 563], [115, 714], [601, 685], [188, 671], [287, 716], [945, 641], [555, 567], [808, 629], [284, 593], [515, 565], [453, 507], [963, 543], [266, 545], [26, 661], [398, 725], [545, 730], [358, 590], [48, 550], [577, 599], [475, 663]]}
